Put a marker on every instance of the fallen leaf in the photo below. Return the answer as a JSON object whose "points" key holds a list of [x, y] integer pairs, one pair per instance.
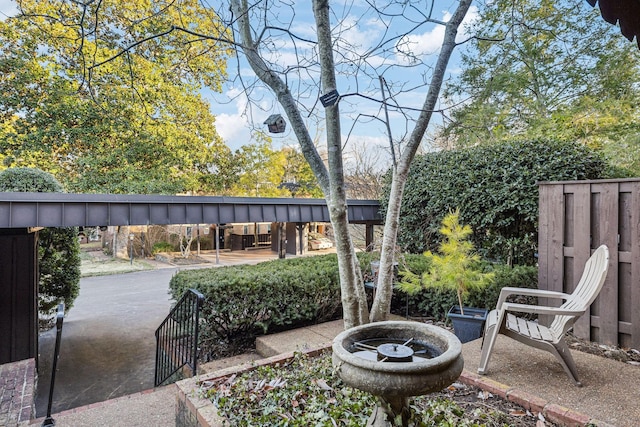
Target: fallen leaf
{"points": [[277, 382], [540, 423], [322, 384], [484, 395], [295, 403], [517, 413], [232, 379], [259, 385]]}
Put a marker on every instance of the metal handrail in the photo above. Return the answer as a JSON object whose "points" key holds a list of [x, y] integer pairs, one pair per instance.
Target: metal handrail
{"points": [[177, 338], [49, 421]]}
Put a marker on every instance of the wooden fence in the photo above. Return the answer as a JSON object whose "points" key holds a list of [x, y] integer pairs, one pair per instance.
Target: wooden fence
{"points": [[575, 218]]}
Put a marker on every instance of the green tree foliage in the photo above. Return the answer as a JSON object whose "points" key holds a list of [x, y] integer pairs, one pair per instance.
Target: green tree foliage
{"points": [[135, 124], [551, 70], [261, 169], [298, 172], [58, 248], [258, 170], [496, 189]]}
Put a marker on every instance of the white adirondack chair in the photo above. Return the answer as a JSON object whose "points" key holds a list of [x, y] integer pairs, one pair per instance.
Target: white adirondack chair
{"points": [[503, 321]]}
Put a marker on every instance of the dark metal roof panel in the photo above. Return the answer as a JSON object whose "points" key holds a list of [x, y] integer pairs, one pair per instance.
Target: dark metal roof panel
{"points": [[19, 210]]}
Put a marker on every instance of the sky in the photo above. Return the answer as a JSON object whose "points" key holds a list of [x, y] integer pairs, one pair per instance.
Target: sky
{"points": [[236, 115], [7, 8], [360, 30]]}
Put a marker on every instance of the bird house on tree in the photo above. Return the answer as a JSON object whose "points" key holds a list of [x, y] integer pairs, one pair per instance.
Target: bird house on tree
{"points": [[276, 123]]}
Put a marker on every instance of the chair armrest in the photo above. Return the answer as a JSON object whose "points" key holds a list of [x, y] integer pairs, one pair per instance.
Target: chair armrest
{"points": [[508, 291], [541, 309]]}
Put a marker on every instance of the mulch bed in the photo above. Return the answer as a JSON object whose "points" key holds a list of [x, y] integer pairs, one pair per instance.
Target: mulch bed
{"points": [[472, 399], [627, 355]]}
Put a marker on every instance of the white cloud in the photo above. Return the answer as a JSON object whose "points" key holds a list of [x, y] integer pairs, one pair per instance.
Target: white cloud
{"points": [[419, 45], [469, 19], [232, 124], [236, 120], [233, 129], [428, 43]]}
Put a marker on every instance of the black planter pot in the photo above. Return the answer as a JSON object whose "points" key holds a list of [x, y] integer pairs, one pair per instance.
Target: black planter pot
{"points": [[469, 326]]}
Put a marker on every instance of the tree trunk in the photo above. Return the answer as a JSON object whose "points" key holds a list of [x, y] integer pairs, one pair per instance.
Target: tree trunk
{"points": [[355, 310], [384, 291], [382, 302], [121, 242], [331, 179], [354, 301]]}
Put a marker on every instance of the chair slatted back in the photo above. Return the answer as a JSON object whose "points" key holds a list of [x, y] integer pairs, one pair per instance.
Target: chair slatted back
{"points": [[588, 288]]}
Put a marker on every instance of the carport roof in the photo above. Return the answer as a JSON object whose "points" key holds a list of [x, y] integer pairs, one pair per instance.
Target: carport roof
{"points": [[18, 210]]}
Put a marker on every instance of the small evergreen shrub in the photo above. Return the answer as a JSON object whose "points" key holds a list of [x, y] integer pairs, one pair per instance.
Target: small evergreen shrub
{"points": [[162, 247], [455, 268], [436, 303]]}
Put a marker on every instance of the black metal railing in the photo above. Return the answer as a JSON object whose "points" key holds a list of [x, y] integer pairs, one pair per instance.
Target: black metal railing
{"points": [[177, 339], [48, 421]]}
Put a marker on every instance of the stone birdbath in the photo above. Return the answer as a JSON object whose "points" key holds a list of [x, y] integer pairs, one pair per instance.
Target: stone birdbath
{"points": [[394, 360]]}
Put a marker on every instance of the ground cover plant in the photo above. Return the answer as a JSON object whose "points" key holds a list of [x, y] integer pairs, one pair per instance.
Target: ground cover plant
{"points": [[305, 391]]}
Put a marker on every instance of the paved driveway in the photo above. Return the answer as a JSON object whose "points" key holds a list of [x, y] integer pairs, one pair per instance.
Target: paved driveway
{"points": [[108, 343]]}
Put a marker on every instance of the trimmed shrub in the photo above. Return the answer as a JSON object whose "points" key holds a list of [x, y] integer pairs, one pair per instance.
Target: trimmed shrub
{"points": [[162, 247], [58, 248], [495, 188], [244, 301]]}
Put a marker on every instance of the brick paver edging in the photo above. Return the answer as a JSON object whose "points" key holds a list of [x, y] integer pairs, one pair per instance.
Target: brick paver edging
{"points": [[17, 386], [193, 411], [552, 412]]}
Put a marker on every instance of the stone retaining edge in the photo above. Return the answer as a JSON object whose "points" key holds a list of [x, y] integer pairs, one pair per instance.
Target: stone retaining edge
{"points": [[202, 413]]}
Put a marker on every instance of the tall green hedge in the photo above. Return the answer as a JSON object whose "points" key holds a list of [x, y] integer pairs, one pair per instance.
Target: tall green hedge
{"points": [[495, 188], [58, 248]]}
